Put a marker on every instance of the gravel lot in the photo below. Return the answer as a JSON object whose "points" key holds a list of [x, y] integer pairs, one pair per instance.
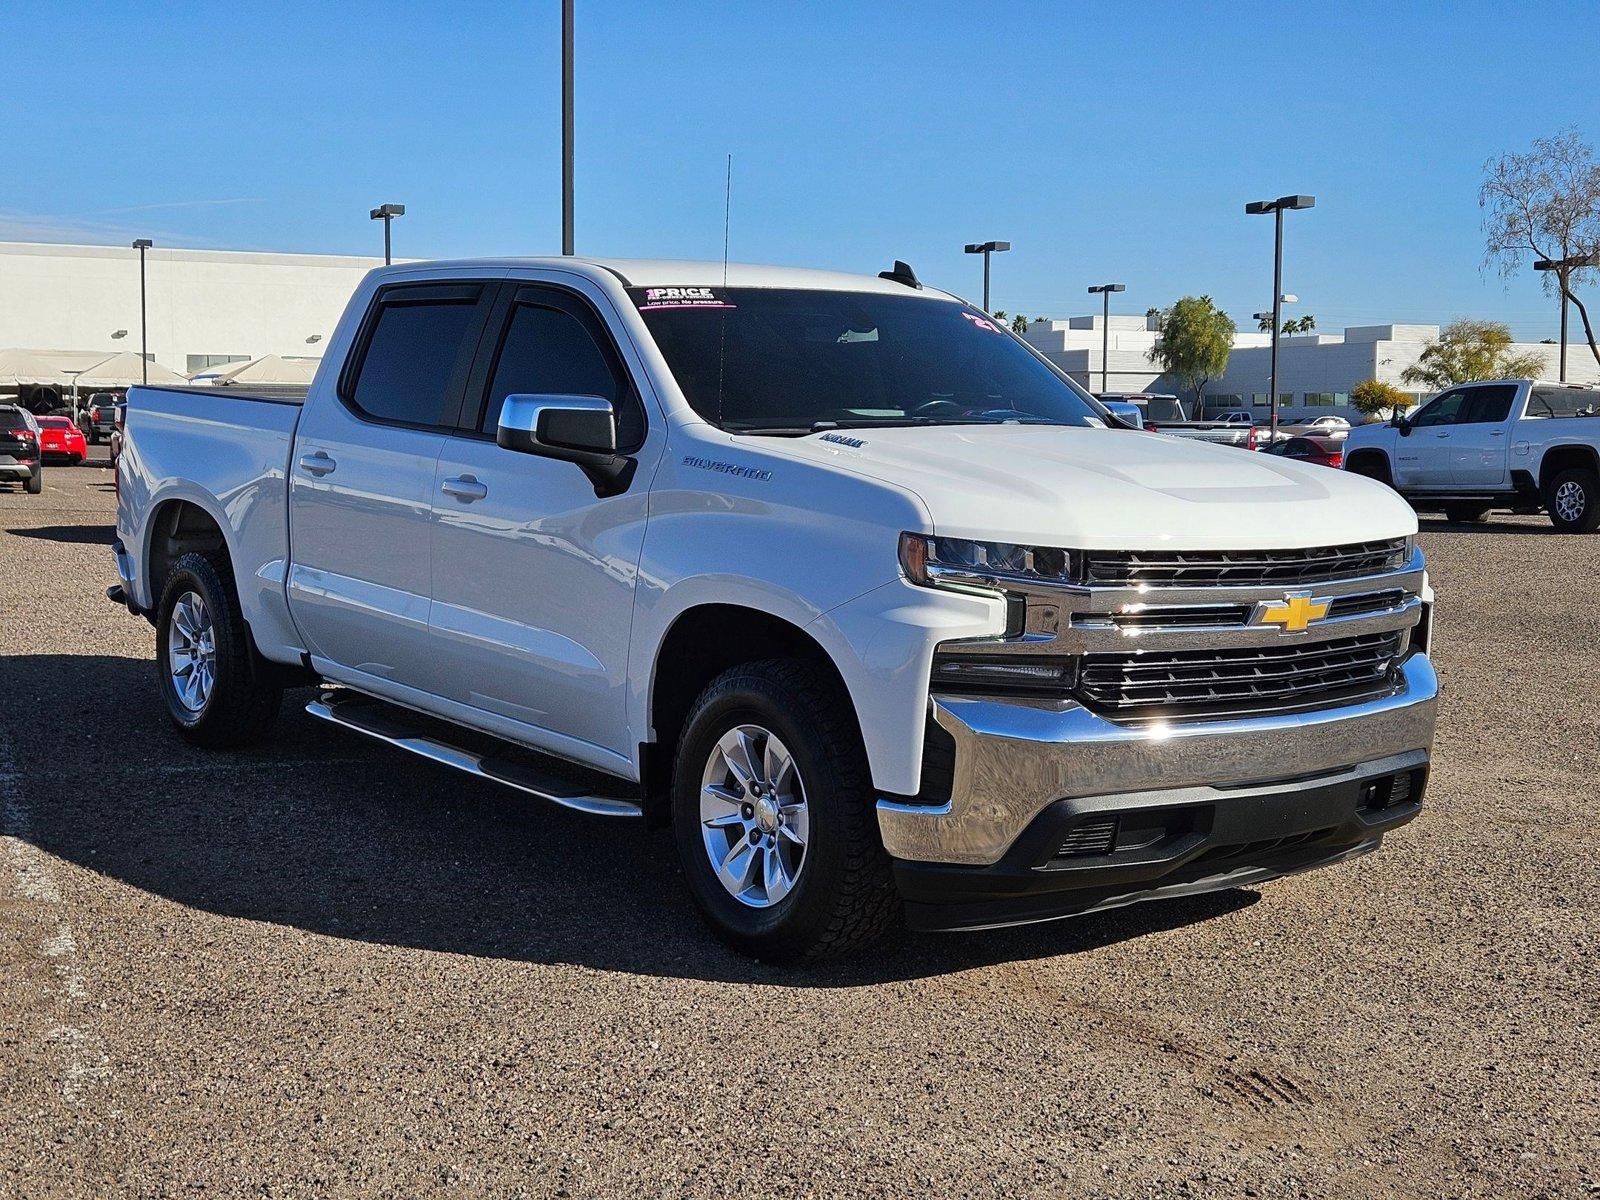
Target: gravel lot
{"points": [[325, 968]]}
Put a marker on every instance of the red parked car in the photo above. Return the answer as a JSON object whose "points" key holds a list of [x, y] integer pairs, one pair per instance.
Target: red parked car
{"points": [[60, 438]]}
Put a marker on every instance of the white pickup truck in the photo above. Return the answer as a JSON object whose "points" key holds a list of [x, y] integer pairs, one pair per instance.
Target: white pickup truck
{"points": [[1520, 444], [832, 574]]}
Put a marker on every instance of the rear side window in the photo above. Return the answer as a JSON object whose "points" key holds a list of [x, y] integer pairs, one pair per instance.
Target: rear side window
{"points": [[417, 350], [11, 418], [551, 347], [1488, 405], [1562, 402]]}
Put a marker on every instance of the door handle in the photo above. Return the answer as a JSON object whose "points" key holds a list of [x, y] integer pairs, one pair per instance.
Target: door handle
{"points": [[1497, 433], [464, 488], [318, 464], [1442, 433]]}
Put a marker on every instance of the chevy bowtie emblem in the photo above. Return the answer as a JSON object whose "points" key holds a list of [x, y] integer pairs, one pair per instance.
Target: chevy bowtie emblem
{"points": [[1296, 612]]}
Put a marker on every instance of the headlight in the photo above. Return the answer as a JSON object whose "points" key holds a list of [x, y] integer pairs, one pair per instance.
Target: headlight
{"points": [[925, 559]]}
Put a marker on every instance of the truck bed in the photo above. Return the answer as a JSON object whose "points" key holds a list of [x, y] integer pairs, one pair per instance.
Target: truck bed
{"points": [[227, 452]]}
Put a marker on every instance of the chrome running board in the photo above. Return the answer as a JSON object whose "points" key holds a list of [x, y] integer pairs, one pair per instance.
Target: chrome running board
{"points": [[567, 784]]}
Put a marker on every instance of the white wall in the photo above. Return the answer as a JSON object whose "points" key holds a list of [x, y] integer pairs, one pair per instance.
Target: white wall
{"points": [[200, 301]]}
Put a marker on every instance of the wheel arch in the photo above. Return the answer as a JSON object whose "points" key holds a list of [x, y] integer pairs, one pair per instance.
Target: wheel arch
{"points": [[180, 525], [1564, 457], [1377, 458], [701, 642]]}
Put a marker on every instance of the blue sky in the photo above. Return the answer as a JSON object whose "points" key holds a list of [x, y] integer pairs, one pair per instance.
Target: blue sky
{"points": [[1105, 141]]}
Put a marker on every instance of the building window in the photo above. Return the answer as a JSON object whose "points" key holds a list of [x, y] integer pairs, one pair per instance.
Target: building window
{"points": [[202, 362], [1260, 400], [1319, 399]]}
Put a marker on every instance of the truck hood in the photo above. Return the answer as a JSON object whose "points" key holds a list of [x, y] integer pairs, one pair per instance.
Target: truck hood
{"points": [[1112, 489]]}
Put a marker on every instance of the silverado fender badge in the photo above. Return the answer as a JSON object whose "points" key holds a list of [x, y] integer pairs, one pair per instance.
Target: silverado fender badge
{"points": [[726, 468]]}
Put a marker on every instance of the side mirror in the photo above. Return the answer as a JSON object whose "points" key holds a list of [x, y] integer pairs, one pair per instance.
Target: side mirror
{"points": [[1398, 420], [575, 429]]}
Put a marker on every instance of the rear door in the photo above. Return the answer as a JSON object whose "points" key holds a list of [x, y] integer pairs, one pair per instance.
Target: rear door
{"points": [[1479, 442], [533, 575], [361, 480], [1424, 456]]}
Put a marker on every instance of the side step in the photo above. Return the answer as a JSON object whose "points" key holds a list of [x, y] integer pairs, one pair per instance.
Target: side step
{"points": [[556, 780]]}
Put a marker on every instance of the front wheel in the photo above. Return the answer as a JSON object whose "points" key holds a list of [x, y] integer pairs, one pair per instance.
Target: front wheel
{"points": [[775, 817], [219, 691], [1573, 501]]}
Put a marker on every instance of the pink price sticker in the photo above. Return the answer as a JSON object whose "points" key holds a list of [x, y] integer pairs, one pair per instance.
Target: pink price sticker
{"points": [[982, 322]]}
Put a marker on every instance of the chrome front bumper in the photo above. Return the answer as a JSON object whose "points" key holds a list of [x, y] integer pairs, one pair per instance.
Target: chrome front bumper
{"points": [[1013, 759]]}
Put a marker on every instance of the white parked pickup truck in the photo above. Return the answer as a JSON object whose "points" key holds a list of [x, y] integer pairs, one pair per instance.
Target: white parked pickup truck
{"points": [[833, 575], [1520, 444]]}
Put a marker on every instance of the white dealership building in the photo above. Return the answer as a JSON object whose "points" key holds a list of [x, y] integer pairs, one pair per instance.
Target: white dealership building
{"points": [[1315, 371], [205, 307]]}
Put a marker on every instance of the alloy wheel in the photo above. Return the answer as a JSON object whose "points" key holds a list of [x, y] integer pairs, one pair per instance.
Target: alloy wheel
{"points": [[754, 820], [192, 652]]}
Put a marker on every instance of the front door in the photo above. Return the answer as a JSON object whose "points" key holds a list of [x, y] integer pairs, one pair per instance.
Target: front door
{"points": [[1424, 456], [1479, 440], [362, 477], [533, 575]]}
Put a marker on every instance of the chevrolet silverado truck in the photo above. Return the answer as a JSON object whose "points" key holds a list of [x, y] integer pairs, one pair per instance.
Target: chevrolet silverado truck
{"points": [[832, 575], [1518, 444]]}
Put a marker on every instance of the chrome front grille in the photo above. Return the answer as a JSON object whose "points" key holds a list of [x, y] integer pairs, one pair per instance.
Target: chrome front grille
{"points": [[1242, 568], [1199, 684]]}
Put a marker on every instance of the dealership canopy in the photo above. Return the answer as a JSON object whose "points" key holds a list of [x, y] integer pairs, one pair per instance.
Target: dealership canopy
{"points": [[90, 368]]}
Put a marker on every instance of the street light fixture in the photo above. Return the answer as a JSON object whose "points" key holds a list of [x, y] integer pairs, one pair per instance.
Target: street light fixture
{"points": [[1562, 266], [1277, 208], [986, 249], [1105, 290], [141, 245], [387, 213]]}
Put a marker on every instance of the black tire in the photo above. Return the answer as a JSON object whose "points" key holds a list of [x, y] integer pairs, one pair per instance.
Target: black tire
{"points": [[1466, 513], [35, 483], [1372, 466], [843, 895], [1559, 495], [245, 693]]}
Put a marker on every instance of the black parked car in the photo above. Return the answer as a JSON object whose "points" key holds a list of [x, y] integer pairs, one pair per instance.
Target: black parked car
{"points": [[19, 449]]}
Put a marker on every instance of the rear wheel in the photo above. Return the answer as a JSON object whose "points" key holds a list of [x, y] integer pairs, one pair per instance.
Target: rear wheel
{"points": [[775, 817], [219, 691], [1466, 514], [1573, 501], [35, 482]]}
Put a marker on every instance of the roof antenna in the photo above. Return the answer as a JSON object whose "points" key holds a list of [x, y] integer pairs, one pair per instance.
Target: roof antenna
{"points": [[902, 273], [722, 317]]}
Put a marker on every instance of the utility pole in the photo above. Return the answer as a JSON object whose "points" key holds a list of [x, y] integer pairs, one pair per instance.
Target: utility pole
{"points": [[1563, 268], [986, 249], [1277, 208], [141, 245], [1105, 290], [566, 127]]}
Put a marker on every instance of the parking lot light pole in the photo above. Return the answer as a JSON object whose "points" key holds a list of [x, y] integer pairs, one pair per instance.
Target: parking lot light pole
{"points": [[1105, 290], [387, 213], [141, 245], [1277, 208], [1564, 267], [986, 249], [566, 128]]}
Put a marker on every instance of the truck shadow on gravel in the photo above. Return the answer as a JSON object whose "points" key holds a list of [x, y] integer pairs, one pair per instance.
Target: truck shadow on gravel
{"points": [[78, 535], [325, 831]]}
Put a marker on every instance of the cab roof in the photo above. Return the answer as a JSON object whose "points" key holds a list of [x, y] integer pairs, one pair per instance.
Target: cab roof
{"points": [[643, 272]]}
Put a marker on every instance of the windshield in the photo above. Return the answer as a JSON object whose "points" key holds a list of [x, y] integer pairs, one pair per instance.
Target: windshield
{"points": [[790, 361]]}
